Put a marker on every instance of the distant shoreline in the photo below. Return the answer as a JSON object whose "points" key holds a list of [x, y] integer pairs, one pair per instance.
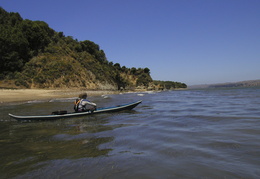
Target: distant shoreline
{"points": [[248, 83], [23, 95]]}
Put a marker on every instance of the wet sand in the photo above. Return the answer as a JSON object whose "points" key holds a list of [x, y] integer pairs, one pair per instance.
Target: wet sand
{"points": [[20, 95]]}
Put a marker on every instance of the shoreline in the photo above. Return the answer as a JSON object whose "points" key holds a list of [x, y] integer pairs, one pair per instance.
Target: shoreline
{"points": [[24, 95]]}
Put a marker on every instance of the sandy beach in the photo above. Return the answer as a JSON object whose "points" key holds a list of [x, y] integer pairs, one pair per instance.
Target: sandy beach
{"points": [[20, 95]]}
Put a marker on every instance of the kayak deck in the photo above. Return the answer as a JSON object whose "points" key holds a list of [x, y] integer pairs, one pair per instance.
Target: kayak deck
{"points": [[74, 114]]}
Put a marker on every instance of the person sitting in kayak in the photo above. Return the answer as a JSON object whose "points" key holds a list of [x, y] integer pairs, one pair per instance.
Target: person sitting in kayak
{"points": [[83, 105]]}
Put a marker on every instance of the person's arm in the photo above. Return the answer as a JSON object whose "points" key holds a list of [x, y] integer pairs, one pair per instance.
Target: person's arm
{"points": [[84, 102]]}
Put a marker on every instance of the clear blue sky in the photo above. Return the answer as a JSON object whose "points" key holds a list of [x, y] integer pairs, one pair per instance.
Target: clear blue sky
{"points": [[190, 41]]}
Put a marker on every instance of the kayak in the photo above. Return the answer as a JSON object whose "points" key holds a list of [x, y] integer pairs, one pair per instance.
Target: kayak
{"points": [[64, 114]]}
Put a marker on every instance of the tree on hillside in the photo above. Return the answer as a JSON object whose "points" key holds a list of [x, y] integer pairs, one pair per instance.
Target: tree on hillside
{"points": [[147, 70], [38, 35], [117, 66], [20, 40], [94, 50], [170, 84], [143, 80], [133, 70]]}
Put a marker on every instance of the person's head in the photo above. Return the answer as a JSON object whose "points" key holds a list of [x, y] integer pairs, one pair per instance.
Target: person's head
{"points": [[83, 96]]}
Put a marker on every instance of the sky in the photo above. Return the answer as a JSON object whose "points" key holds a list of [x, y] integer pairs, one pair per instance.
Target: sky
{"points": [[189, 41]]}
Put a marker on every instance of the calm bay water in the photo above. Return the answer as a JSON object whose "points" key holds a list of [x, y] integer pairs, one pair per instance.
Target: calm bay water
{"points": [[175, 134]]}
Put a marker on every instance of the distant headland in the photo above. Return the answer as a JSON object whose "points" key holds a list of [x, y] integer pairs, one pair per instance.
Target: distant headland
{"points": [[248, 83]]}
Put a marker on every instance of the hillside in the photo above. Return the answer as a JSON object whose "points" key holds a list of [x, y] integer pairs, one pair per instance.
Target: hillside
{"points": [[249, 83], [33, 55]]}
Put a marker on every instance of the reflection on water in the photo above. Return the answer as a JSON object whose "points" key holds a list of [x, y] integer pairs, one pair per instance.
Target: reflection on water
{"points": [[28, 145], [175, 134]]}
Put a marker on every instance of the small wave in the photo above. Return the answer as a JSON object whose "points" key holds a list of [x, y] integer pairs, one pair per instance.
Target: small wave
{"points": [[35, 101], [104, 96], [140, 94], [62, 99]]}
